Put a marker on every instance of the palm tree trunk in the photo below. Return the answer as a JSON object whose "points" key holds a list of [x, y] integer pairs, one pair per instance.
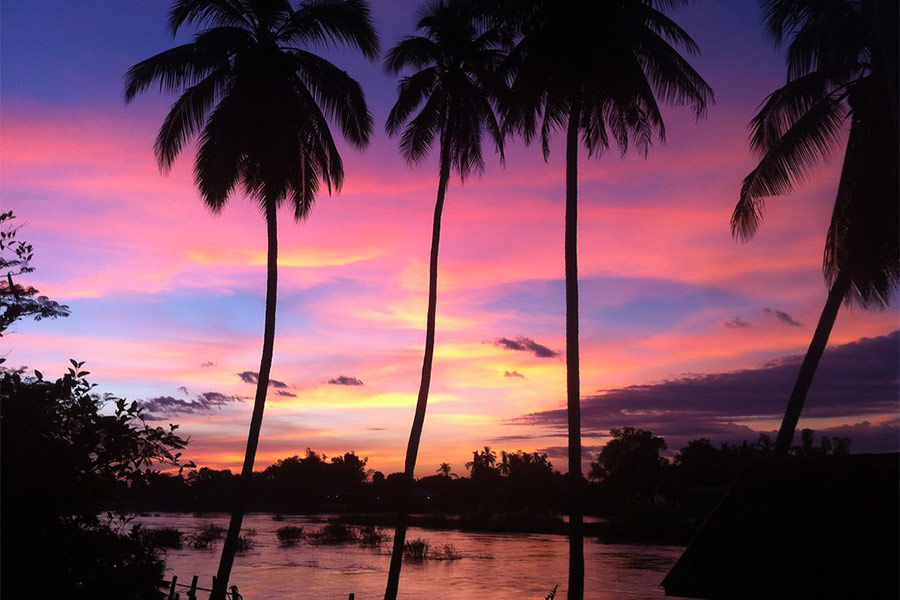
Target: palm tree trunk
{"points": [[573, 385], [262, 385], [811, 362], [415, 434]]}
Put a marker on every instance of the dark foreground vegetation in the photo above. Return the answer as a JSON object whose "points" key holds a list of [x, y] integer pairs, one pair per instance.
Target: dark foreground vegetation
{"points": [[642, 496], [65, 454]]}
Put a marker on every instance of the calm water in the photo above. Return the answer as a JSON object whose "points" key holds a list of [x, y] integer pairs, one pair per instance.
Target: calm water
{"points": [[492, 567]]}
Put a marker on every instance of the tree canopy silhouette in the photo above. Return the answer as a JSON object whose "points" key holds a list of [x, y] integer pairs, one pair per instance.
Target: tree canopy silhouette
{"points": [[64, 455], [19, 301]]}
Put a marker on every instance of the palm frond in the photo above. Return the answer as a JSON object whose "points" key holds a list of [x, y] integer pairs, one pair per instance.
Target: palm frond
{"points": [[215, 13], [864, 235], [421, 131], [184, 66], [330, 21], [186, 118], [413, 51], [790, 158], [412, 91], [340, 96]]}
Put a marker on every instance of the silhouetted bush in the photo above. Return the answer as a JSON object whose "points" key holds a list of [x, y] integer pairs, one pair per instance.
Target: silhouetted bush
{"points": [[64, 459]]}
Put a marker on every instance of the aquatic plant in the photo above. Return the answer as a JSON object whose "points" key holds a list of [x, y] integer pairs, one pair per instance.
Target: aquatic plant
{"points": [[206, 537], [243, 544], [415, 550], [370, 536], [334, 532], [164, 537], [289, 535], [445, 552]]}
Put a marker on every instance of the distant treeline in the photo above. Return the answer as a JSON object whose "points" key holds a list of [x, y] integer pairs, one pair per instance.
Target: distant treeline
{"points": [[644, 495]]}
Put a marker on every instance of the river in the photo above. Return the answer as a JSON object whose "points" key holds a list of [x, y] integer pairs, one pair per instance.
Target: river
{"points": [[490, 566]]}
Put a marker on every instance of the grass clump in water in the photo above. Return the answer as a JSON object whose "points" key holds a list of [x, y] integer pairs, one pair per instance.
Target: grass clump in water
{"points": [[369, 536], [243, 544], [289, 535], [415, 550], [334, 532], [165, 537], [207, 537]]}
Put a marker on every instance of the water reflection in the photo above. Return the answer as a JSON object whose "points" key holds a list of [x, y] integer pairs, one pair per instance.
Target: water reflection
{"points": [[491, 566]]}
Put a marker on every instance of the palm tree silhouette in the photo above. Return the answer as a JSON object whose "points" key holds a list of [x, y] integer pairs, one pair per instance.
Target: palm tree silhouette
{"points": [[595, 70], [446, 470], [455, 62], [482, 460], [259, 103], [842, 65]]}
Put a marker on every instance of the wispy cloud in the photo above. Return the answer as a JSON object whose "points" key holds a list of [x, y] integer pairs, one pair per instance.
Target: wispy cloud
{"points": [[286, 394], [253, 377], [514, 374], [202, 403], [345, 380], [738, 323], [524, 344], [781, 316], [207, 364]]}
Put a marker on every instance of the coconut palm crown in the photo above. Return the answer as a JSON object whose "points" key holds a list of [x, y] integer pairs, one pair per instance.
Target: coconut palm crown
{"points": [[259, 104], [452, 90], [257, 99], [840, 72]]}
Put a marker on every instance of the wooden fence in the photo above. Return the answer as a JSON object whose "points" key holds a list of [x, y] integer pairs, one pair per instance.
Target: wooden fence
{"points": [[192, 590]]}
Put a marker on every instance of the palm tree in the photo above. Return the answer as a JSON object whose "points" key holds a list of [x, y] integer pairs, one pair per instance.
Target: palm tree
{"points": [[446, 470], [259, 103], [454, 63], [841, 67], [594, 70]]}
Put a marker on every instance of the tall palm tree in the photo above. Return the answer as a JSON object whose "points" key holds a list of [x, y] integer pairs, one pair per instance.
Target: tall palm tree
{"points": [[595, 71], [454, 62], [842, 62], [259, 103]]}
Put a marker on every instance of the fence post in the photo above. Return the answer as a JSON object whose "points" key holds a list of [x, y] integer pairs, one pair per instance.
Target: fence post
{"points": [[192, 593], [352, 596], [172, 589]]}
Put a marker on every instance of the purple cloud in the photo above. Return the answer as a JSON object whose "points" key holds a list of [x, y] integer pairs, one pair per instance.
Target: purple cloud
{"points": [[524, 344], [781, 316], [345, 380], [253, 377], [859, 378], [738, 323], [167, 405]]}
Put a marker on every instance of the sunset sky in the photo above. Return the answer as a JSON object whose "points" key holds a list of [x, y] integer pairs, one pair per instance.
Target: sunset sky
{"points": [[683, 331]]}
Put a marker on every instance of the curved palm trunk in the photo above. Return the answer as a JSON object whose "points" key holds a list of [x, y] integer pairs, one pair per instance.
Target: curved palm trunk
{"points": [[415, 434], [573, 385], [262, 385], [811, 362]]}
